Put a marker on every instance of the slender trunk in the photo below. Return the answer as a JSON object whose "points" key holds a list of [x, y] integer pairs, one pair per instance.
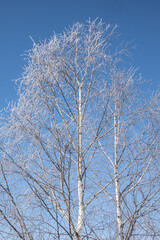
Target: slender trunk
{"points": [[118, 205], [117, 187], [80, 183]]}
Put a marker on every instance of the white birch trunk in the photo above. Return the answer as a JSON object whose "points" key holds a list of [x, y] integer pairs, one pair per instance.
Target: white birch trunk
{"points": [[117, 187], [79, 227]]}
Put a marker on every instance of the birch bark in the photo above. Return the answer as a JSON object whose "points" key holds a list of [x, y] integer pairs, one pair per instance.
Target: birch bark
{"points": [[117, 187], [80, 183]]}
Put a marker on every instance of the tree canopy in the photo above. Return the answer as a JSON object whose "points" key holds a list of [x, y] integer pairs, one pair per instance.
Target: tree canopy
{"points": [[80, 148]]}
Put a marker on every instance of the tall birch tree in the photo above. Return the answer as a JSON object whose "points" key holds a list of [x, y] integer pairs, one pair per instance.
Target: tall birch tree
{"points": [[79, 142], [131, 151]]}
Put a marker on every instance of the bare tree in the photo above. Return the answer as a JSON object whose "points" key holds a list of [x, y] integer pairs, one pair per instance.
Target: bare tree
{"points": [[130, 148], [79, 142]]}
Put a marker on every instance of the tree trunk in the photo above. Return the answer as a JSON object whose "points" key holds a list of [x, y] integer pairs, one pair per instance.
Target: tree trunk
{"points": [[117, 187], [80, 183]]}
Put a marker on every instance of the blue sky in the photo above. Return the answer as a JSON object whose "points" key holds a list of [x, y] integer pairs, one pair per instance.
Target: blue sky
{"points": [[138, 20]]}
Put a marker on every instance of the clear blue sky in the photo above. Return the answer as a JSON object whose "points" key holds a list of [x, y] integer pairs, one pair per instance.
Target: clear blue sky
{"points": [[139, 20]]}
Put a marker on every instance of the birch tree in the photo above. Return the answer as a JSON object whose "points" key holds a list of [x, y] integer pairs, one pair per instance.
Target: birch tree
{"points": [[79, 142], [131, 152]]}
